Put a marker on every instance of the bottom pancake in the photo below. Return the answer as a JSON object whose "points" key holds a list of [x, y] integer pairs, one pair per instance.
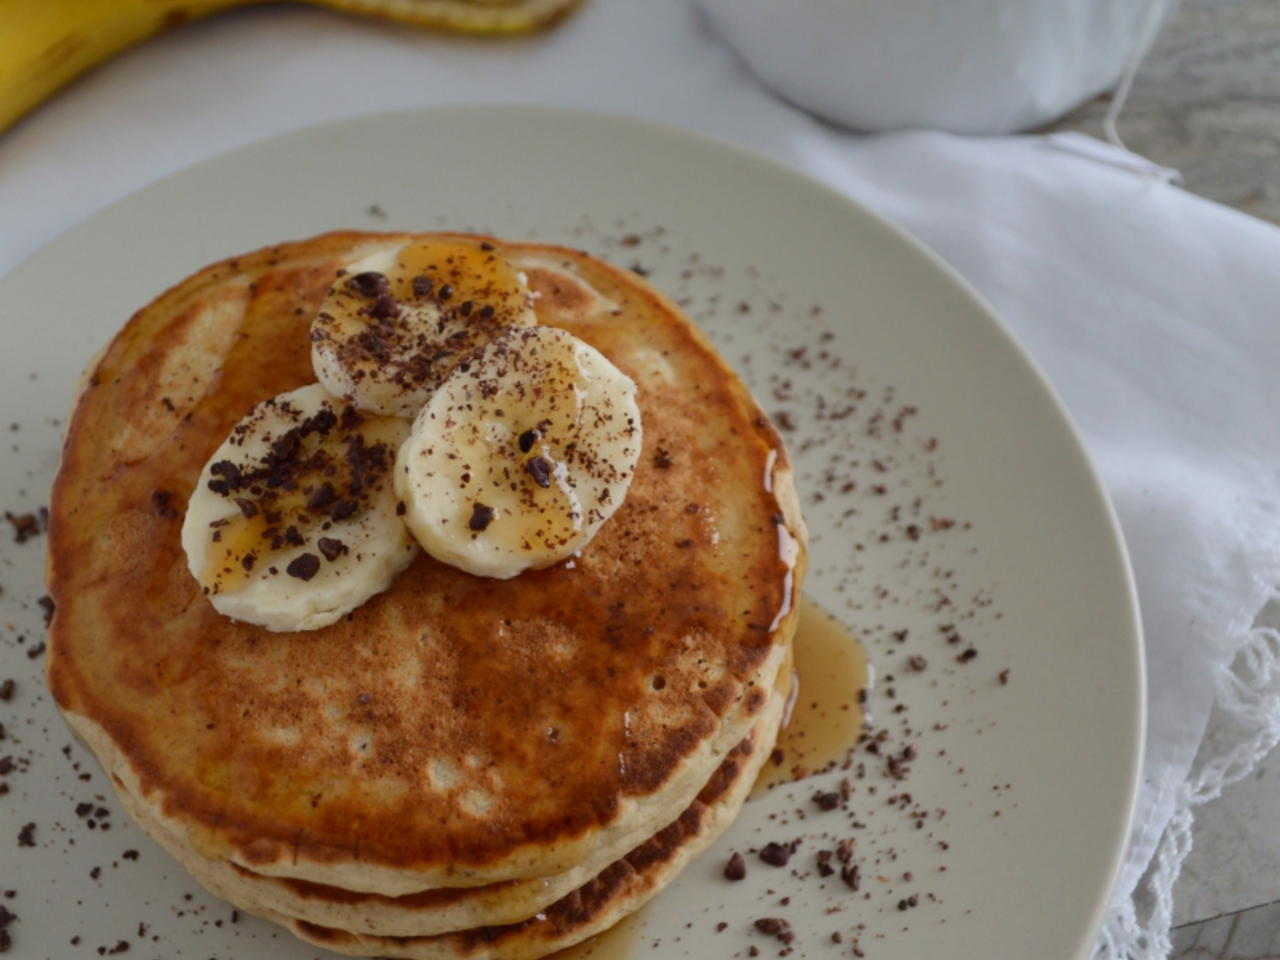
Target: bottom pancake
{"points": [[617, 891], [425, 913]]}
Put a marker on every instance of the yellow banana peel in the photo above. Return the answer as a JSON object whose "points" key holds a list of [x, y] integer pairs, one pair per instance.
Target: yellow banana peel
{"points": [[45, 44]]}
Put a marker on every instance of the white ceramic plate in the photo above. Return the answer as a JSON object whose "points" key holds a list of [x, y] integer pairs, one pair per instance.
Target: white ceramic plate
{"points": [[1028, 784]]}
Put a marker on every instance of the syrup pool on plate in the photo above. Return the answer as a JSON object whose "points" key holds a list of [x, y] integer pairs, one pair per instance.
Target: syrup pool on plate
{"points": [[830, 673], [619, 942]]}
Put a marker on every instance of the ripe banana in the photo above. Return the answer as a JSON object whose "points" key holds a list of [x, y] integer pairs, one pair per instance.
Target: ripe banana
{"points": [[520, 455], [294, 520], [45, 44], [395, 324]]}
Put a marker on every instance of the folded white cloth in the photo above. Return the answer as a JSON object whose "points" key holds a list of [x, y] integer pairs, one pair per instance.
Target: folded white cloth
{"points": [[1152, 311]]}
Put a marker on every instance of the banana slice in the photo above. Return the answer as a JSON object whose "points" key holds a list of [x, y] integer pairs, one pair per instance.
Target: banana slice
{"points": [[521, 454], [294, 520], [394, 326]]}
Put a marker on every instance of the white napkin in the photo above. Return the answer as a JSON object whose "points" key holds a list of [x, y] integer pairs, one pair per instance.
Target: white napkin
{"points": [[1153, 312]]}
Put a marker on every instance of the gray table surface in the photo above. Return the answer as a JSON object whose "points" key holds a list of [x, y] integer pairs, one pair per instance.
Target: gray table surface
{"points": [[1207, 102]]}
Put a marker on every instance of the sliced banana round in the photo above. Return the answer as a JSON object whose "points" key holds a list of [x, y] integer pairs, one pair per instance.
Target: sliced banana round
{"points": [[395, 324], [294, 521], [521, 454]]}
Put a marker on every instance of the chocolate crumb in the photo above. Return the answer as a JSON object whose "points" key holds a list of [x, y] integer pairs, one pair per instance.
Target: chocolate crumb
{"points": [[422, 285], [130, 854], [775, 854], [6, 689], [917, 662], [540, 469], [384, 307], [852, 876], [775, 927], [736, 868], [785, 420], [304, 566], [967, 655], [331, 548], [7, 917], [400, 508], [527, 440], [844, 851], [482, 516], [27, 835], [162, 501], [321, 497], [24, 526], [827, 801], [247, 507], [824, 864], [47, 605], [1003, 676], [370, 284], [662, 459], [35, 651]]}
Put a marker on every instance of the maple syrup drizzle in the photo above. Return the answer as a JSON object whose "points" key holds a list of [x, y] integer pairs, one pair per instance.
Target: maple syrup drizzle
{"points": [[826, 718], [619, 942]]}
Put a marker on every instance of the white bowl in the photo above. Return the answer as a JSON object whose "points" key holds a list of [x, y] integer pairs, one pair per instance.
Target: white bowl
{"points": [[968, 66]]}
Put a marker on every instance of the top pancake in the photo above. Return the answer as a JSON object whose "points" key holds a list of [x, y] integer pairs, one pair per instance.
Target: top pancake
{"points": [[453, 730]]}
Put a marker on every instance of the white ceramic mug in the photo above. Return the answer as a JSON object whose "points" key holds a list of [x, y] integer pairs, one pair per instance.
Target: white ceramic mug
{"points": [[969, 66]]}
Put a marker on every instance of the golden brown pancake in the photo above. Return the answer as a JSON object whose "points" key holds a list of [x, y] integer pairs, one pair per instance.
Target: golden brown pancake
{"points": [[450, 909], [452, 731], [618, 890]]}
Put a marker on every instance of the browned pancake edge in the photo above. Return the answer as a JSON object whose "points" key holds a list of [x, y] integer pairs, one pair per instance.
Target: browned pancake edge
{"points": [[572, 697]]}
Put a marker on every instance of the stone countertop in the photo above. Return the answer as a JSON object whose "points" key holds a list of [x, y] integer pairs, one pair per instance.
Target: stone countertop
{"points": [[1207, 102]]}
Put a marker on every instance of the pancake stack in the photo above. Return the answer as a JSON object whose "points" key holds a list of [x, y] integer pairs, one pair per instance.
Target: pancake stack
{"points": [[461, 767]]}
